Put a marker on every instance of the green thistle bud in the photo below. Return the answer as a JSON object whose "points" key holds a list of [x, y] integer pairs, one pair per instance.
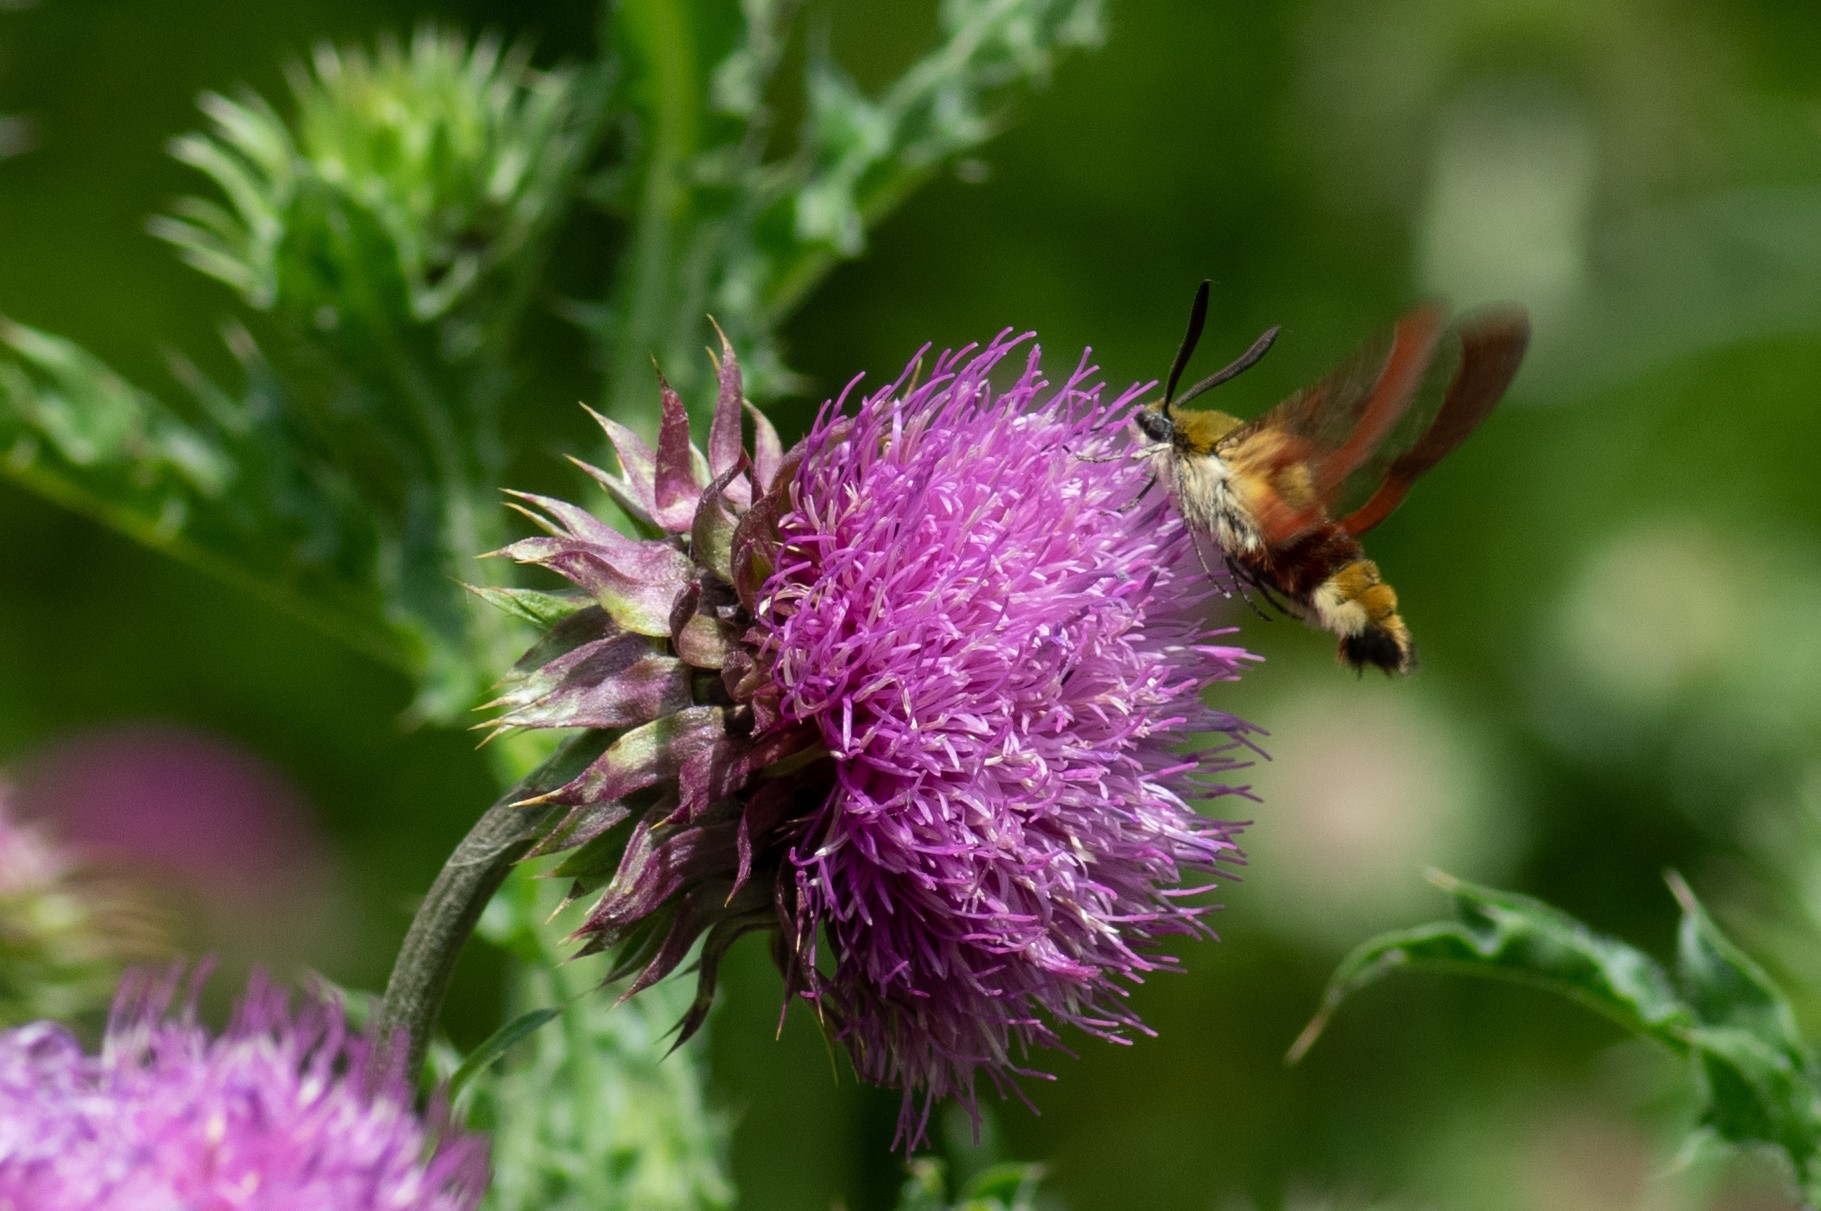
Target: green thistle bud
{"points": [[404, 181]]}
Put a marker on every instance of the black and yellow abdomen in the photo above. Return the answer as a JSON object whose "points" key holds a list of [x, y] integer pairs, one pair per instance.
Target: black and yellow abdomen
{"points": [[1325, 578]]}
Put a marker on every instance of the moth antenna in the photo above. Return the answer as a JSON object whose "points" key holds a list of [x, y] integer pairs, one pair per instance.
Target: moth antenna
{"points": [[1238, 366], [1198, 316]]}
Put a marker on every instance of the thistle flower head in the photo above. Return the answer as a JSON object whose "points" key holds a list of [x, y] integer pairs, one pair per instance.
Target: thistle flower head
{"points": [[284, 1111], [959, 650]]}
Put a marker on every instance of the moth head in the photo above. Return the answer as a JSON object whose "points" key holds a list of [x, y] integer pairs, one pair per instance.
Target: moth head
{"points": [[1154, 422]]}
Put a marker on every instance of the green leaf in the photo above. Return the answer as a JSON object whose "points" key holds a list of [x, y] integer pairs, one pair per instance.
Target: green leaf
{"points": [[1762, 1081], [1723, 984], [1756, 1094], [495, 1046], [1758, 1080], [866, 156], [68, 416], [1514, 937], [238, 494]]}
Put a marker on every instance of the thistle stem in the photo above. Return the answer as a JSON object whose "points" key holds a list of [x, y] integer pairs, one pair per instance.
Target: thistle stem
{"points": [[474, 871]]}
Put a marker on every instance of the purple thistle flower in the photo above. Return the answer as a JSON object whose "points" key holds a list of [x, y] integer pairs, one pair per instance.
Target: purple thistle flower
{"points": [[960, 640], [1001, 644], [285, 1111]]}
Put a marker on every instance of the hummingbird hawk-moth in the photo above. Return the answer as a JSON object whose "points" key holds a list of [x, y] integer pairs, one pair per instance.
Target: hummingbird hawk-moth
{"points": [[1284, 498]]}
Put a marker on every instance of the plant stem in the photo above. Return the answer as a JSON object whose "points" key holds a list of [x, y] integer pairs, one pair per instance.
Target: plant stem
{"points": [[660, 39], [446, 918]]}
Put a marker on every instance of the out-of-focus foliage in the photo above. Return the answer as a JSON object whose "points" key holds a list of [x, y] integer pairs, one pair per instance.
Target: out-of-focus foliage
{"points": [[723, 220], [1759, 1082], [1007, 1187], [390, 234], [234, 492], [413, 173], [592, 1111], [15, 131], [391, 228]]}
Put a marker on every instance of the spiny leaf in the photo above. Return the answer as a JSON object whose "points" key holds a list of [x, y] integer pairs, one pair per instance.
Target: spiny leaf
{"points": [[1762, 1083], [1723, 984], [1759, 1083], [237, 493], [1514, 937]]}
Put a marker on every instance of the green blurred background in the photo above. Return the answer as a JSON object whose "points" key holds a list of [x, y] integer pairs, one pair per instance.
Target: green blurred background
{"points": [[1616, 585]]}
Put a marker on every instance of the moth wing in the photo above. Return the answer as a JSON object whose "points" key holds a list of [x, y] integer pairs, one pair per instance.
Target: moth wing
{"points": [[1270, 470], [1482, 358], [1297, 457]]}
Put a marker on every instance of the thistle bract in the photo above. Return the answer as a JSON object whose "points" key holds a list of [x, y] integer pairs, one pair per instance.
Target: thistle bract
{"points": [[914, 696], [285, 1111]]}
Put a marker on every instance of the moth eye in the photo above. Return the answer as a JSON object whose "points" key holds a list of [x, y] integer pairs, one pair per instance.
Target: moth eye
{"points": [[1154, 424]]}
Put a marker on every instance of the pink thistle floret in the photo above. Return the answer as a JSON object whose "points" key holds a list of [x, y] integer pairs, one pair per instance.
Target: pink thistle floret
{"points": [[996, 623], [287, 1110]]}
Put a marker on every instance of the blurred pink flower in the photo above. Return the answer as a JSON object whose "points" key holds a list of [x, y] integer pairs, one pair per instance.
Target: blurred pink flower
{"points": [[63, 932], [287, 1110], [196, 819]]}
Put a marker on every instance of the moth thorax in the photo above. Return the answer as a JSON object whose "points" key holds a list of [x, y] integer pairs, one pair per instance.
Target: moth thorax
{"points": [[1199, 432], [1209, 502]]}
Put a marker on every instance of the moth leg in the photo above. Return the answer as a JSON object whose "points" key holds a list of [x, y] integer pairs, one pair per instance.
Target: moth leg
{"points": [[1236, 581], [1144, 451], [1213, 576], [1249, 584]]}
